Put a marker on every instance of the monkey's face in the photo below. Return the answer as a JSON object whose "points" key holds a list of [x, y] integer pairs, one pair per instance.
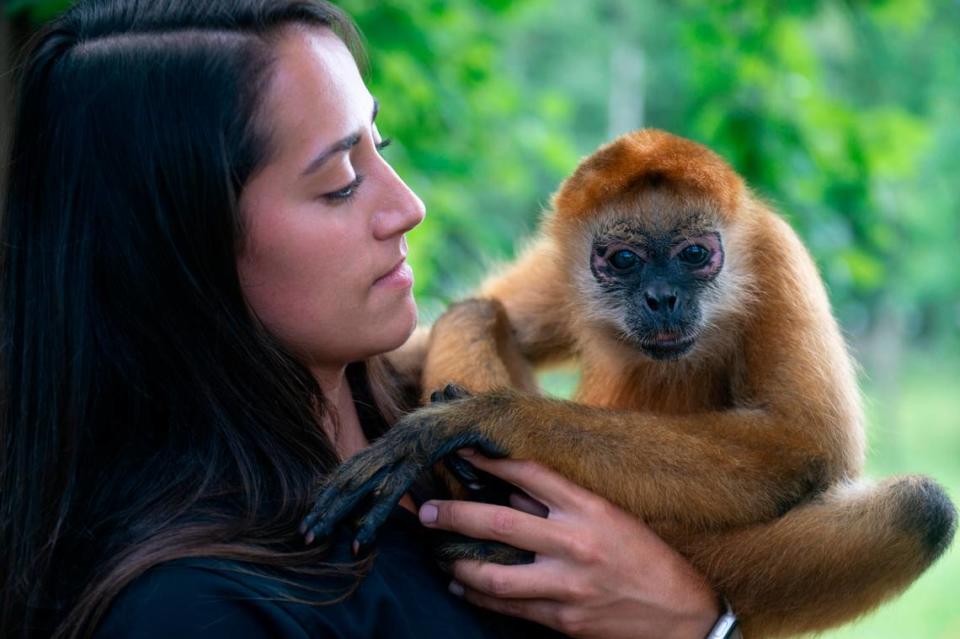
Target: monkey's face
{"points": [[657, 281]]}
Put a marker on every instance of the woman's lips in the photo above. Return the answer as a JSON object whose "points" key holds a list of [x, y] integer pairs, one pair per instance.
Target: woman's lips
{"points": [[401, 275]]}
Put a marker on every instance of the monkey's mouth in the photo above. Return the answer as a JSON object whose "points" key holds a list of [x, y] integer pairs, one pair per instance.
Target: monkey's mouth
{"points": [[667, 346]]}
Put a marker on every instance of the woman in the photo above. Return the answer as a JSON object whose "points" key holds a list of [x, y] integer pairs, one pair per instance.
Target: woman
{"points": [[203, 263]]}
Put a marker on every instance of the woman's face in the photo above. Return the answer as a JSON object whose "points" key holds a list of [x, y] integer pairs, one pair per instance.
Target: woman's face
{"points": [[322, 263]]}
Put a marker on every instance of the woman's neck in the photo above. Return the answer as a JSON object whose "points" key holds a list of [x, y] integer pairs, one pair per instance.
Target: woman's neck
{"points": [[341, 422]]}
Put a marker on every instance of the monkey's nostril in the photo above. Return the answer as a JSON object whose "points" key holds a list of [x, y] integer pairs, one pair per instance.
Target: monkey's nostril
{"points": [[652, 303], [672, 302]]}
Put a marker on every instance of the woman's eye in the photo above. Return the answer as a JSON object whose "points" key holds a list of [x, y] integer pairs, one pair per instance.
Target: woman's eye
{"points": [[623, 259], [384, 143], [694, 255], [346, 192]]}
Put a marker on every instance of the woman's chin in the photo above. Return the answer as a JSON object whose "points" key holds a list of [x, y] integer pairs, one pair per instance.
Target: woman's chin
{"points": [[397, 324]]}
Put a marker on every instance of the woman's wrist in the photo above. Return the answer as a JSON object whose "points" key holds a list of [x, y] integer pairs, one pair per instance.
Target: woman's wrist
{"points": [[726, 625], [701, 618]]}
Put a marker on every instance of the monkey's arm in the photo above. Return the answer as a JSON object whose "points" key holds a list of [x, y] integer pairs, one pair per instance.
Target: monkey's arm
{"points": [[711, 470]]}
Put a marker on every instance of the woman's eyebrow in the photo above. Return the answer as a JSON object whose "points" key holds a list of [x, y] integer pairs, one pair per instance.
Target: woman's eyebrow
{"points": [[339, 146]]}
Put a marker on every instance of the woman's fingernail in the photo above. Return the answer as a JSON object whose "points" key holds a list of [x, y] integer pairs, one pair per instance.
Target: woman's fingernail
{"points": [[466, 452], [428, 513], [456, 588]]}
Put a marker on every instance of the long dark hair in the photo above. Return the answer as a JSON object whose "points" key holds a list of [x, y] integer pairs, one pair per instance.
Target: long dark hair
{"points": [[146, 413]]}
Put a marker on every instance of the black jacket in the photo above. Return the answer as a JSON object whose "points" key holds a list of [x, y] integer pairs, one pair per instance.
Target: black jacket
{"points": [[404, 596]]}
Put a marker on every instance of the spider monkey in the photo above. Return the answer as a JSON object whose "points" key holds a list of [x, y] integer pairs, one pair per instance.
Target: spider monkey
{"points": [[717, 400]]}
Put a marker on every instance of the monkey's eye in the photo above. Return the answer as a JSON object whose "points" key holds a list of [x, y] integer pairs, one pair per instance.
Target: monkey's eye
{"points": [[623, 259], [694, 255]]}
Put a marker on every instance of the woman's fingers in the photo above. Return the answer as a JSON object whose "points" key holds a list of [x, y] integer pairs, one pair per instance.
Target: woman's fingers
{"points": [[541, 483], [526, 581], [496, 523], [599, 571]]}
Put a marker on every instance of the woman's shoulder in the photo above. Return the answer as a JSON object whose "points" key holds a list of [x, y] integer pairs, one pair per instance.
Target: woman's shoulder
{"points": [[200, 597]]}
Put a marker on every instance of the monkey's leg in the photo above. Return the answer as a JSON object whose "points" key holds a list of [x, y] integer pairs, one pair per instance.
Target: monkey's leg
{"points": [[827, 561]]}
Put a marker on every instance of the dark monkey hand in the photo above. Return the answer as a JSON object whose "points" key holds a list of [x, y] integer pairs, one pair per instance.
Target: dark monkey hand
{"points": [[380, 475]]}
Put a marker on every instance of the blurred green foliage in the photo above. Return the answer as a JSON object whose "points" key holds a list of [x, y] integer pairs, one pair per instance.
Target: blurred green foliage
{"points": [[37, 10], [927, 440], [843, 114]]}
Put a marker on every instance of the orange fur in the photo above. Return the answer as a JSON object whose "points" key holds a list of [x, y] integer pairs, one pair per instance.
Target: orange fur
{"points": [[744, 453]]}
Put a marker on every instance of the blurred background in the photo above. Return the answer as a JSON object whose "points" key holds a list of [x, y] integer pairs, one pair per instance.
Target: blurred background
{"points": [[844, 115]]}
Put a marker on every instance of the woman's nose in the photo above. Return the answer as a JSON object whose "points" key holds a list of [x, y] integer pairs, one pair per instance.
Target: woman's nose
{"points": [[400, 210]]}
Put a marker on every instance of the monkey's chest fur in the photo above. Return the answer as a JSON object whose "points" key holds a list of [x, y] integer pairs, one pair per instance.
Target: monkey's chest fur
{"points": [[657, 387]]}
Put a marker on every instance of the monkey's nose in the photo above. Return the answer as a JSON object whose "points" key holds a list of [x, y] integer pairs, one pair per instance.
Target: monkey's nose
{"points": [[661, 299]]}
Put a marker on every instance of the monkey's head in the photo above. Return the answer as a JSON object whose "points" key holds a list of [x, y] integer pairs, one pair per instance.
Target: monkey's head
{"points": [[648, 218]]}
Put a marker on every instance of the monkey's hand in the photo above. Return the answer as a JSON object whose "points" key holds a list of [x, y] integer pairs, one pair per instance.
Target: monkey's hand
{"points": [[382, 473], [472, 484]]}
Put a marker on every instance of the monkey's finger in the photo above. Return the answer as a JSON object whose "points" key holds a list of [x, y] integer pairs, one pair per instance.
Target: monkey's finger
{"points": [[389, 494], [342, 481], [331, 507], [326, 515], [335, 487], [548, 487], [542, 611], [524, 581], [498, 523], [463, 471], [319, 507]]}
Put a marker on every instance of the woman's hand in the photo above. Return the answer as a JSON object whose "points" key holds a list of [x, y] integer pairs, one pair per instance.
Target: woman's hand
{"points": [[599, 572]]}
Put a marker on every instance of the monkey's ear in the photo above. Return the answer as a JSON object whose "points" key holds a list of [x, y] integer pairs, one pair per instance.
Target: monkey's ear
{"points": [[644, 159]]}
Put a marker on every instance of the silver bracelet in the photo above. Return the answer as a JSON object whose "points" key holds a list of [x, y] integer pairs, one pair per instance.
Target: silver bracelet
{"points": [[727, 626]]}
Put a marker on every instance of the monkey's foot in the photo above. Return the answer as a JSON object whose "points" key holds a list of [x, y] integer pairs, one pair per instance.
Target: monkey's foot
{"points": [[452, 547]]}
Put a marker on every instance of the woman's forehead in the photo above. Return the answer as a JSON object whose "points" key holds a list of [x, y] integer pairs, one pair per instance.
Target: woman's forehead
{"points": [[316, 95]]}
